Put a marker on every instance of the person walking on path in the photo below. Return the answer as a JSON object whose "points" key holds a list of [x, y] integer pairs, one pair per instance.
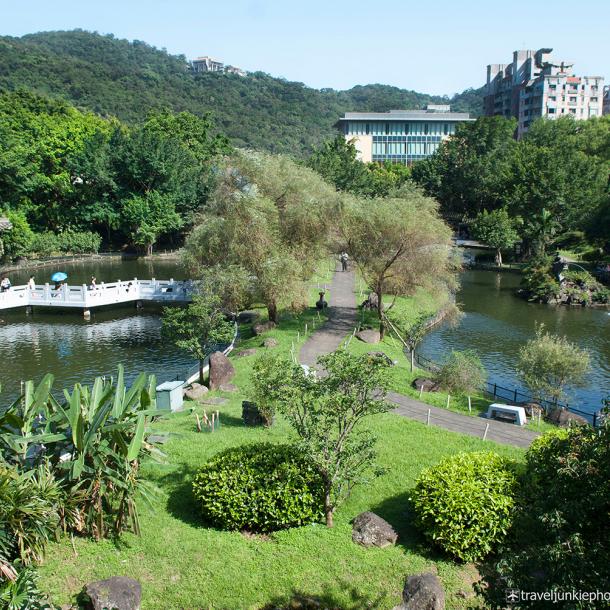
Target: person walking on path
{"points": [[344, 258]]}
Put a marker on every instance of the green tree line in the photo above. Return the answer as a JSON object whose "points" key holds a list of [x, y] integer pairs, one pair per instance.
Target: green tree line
{"points": [[127, 80]]}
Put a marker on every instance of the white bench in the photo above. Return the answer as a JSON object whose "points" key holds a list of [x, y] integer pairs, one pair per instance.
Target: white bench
{"points": [[515, 415]]}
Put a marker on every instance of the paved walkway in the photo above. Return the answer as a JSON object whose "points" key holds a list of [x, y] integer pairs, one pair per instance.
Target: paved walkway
{"points": [[343, 316]]}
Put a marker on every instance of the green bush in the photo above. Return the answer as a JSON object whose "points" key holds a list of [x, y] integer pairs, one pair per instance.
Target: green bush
{"points": [[464, 504], [68, 242], [561, 532], [260, 488], [462, 373], [29, 503], [17, 241]]}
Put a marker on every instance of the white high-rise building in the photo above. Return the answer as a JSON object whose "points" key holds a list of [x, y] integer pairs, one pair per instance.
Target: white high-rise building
{"points": [[534, 86]]}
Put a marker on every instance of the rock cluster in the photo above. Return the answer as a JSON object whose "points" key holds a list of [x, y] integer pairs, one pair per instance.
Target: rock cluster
{"points": [[117, 592], [263, 327], [221, 370]]}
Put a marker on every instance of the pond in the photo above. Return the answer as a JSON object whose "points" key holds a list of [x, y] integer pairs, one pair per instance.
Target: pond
{"points": [[496, 323], [75, 350]]}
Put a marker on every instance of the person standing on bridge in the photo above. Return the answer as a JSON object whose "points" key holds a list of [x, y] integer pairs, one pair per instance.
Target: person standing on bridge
{"points": [[31, 283], [5, 284]]}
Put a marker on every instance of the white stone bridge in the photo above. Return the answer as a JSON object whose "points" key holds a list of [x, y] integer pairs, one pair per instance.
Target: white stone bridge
{"points": [[86, 298]]}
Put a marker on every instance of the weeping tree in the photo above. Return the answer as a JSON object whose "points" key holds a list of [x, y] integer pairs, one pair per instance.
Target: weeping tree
{"points": [[269, 219], [399, 244]]}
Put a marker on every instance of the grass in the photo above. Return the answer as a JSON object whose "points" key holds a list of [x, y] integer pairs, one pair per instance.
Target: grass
{"points": [[401, 377], [181, 563]]}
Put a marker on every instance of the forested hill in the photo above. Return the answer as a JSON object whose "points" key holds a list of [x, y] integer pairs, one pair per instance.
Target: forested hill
{"points": [[127, 79]]}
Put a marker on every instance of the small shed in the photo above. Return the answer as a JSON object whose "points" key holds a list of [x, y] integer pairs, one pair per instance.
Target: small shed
{"points": [[169, 395]]}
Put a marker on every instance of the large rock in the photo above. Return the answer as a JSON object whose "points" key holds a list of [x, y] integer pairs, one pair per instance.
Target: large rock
{"points": [[246, 352], [369, 336], [370, 529], [263, 327], [221, 370], [564, 418], [195, 392], [251, 415], [116, 593], [531, 409], [270, 342], [371, 301], [428, 385], [382, 356], [423, 592]]}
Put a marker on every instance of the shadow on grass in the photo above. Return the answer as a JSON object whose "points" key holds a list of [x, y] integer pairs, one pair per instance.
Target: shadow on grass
{"points": [[329, 599], [398, 512]]}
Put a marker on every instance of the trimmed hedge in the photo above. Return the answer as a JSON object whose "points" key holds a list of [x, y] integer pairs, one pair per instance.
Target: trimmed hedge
{"points": [[465, 503], [259, 488]]}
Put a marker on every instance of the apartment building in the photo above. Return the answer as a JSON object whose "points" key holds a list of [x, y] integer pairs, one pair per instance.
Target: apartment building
{"points": [[207, 64], [535, 86], [606, 109], [400, 136]]}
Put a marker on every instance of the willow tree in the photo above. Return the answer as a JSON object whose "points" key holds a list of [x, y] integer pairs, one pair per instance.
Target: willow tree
{"points": [[269, 218], [398, 245]]}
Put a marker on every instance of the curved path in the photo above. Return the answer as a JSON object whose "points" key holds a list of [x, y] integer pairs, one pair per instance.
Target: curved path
{"points": [[343, 316]]}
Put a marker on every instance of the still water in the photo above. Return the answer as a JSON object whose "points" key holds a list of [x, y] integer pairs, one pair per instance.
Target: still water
{"points": [[73, 349], [496, 323]]}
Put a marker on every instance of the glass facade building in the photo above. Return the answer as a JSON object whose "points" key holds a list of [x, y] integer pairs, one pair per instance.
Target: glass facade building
{"points": [[399, 136]]}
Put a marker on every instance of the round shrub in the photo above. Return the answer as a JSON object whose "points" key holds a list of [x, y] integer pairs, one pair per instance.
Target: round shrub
{"points": [[259, 488], [465, 503]]}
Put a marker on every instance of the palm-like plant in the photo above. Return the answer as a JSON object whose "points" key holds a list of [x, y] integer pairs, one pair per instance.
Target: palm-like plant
{"points": [[94, 441]]}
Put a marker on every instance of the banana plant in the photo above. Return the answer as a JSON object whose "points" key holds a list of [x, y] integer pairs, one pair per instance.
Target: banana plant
{"points": [[95, 439]]}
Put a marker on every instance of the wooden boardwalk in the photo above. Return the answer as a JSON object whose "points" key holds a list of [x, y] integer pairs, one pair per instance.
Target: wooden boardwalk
{"points": [[343, 317]]}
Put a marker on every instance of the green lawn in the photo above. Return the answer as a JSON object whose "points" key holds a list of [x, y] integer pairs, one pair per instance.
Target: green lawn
{"points": [[181, 563]]}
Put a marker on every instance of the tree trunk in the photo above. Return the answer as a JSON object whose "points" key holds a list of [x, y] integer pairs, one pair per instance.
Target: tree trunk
{"points": [[272, 311], [201, 372], [380, 314], [499, 257], [328, 510]]}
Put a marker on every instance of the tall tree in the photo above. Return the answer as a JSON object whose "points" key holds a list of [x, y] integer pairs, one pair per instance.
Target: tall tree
{"points": [[270, 218], [398, 244], [496, 229]]}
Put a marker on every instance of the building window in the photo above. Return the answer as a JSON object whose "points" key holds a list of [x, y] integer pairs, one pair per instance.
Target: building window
{"points": [[426, 128], [445, 128], [387, 128], [367, 129], [407, 128]]}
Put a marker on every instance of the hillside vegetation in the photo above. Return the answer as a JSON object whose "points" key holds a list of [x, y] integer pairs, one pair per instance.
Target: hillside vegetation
{"points": [[128, 79]]}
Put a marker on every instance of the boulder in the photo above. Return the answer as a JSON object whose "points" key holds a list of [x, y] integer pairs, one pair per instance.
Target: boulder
{"points": [[383, 356], [195, 392], [270, 342], [564, 418], [118, 593], [371, 301], [228, 387], [246, 352], [321, 302], [251, 415], [428, 385], [423, 592], [247, 317], [369, 336], [221, 370], [263, 327], [370, 529]]}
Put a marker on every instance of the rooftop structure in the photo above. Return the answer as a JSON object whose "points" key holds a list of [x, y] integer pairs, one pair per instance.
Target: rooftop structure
{"points": [[535, 86], [400, 136], [208, 64]]}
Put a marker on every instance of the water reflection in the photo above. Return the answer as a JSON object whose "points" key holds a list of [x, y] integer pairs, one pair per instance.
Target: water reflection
{"points": [[497, 323]]}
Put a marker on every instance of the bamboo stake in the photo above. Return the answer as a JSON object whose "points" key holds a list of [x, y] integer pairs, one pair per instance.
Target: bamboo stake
{"points": [[469, 405], [428, 418], [421, 391], [198, 423], [486, 431], [448, 399]]}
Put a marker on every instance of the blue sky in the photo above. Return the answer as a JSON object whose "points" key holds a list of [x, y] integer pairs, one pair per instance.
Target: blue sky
{"points": [[430, 46]]}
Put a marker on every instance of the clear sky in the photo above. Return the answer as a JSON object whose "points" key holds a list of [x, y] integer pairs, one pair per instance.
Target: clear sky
{"points": [[430, 46]]}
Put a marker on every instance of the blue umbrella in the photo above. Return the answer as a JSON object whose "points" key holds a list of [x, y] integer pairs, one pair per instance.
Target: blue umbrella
{"points": [[59, 276]]}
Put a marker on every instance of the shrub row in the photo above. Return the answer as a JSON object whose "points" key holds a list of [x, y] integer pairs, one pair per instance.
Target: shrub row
{"points": [[68, 242]]}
